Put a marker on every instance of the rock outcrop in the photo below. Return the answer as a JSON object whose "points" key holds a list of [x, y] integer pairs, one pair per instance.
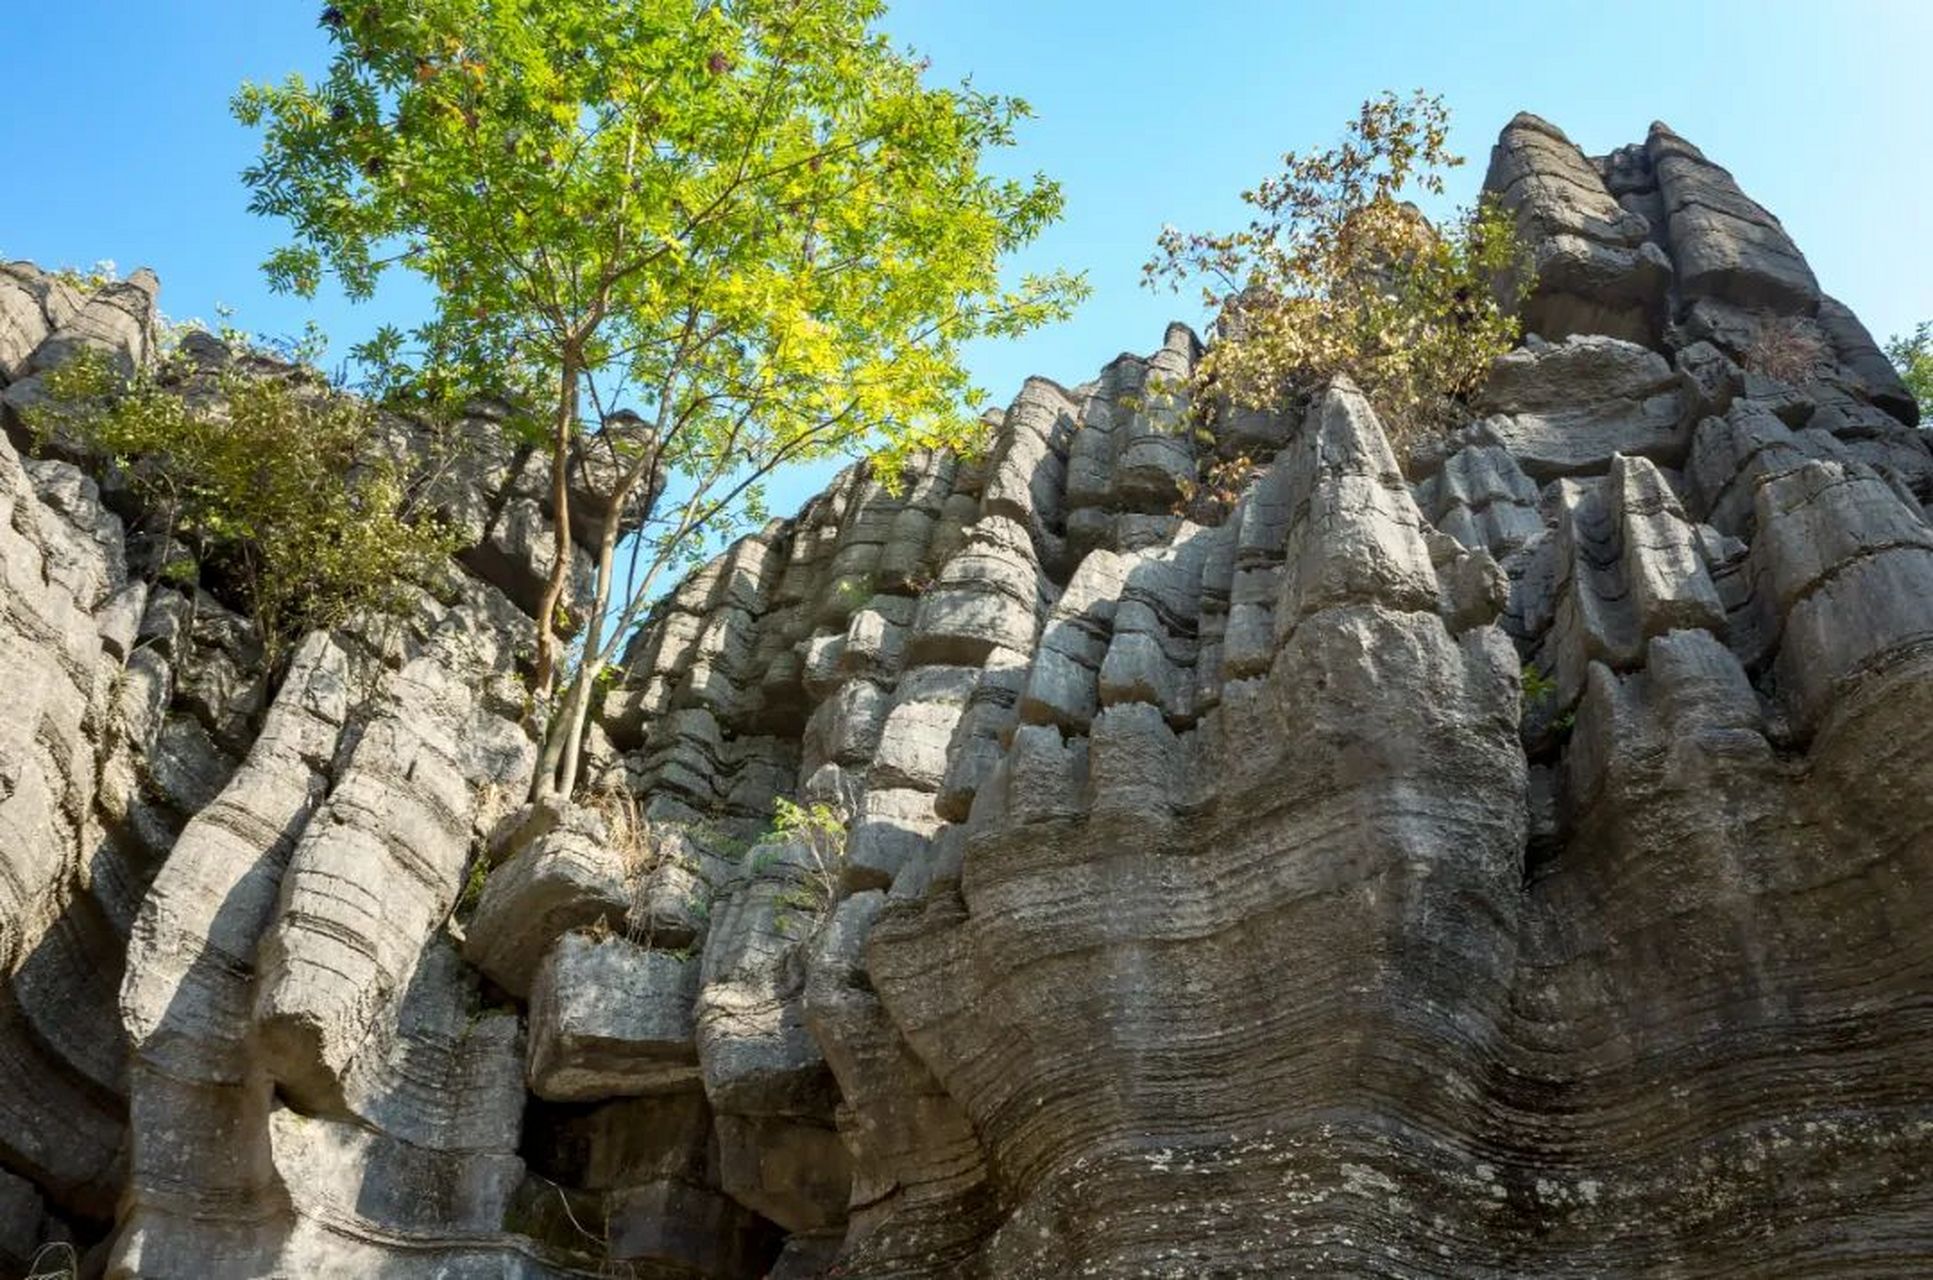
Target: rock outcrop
{"points": [[1510, 860]]}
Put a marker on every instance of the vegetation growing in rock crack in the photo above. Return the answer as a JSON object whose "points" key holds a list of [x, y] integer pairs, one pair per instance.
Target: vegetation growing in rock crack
{"points": [[819, 830], [1338, 273], [280, 498], [701, 240], [1787, 348]]}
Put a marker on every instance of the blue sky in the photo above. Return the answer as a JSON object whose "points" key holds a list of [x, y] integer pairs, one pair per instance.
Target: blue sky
{"points": [[118, 143]]}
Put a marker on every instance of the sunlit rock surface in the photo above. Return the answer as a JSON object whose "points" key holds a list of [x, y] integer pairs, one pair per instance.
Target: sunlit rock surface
{"points": [[1516, 859]]}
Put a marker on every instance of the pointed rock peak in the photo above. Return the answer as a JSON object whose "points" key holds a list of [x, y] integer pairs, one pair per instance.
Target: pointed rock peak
{"points": [[1345, 434], [1530, 120], [1180, 337], [1661, 139]]}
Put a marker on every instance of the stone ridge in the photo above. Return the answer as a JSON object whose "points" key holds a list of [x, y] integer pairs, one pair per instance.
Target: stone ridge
{"points": [[1506, 860]]}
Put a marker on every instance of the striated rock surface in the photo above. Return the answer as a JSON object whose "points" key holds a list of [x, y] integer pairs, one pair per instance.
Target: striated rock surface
{"points": [[1510, 860]]}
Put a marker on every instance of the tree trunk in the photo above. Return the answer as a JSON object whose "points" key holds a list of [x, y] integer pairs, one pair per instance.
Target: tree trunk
{"points": [[564, 430], [577, 708]]}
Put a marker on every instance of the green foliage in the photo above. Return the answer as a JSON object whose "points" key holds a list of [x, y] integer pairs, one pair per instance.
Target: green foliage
{"points": [[89, 279], [473, 884], [751, 220], [284, 499], [1336, 273], [1540, 695], [821, 824], [1913, 356], [1538, 688], [820, 829], [851, 592]]}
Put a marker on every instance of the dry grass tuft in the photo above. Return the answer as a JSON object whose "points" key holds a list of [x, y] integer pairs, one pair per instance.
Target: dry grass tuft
{"points": [[1786, 348]]}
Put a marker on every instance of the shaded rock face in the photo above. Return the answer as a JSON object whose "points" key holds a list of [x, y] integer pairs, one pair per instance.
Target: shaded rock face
{"points": [[1511, 860]]}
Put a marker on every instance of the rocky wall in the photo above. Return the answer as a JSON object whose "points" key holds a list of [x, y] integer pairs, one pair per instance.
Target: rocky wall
{"points": [[1510, 859]]}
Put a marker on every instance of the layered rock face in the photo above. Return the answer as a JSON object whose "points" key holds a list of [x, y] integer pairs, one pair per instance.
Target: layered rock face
{"points": [[1512, 859]]}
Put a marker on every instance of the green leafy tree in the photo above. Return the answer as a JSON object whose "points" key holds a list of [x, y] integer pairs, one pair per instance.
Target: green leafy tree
{"points": [[1337, 273], [1912, 355], [704, 239]]}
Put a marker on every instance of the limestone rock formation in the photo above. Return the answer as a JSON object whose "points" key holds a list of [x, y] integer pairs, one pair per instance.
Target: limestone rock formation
{"points": [[1509, 860]]}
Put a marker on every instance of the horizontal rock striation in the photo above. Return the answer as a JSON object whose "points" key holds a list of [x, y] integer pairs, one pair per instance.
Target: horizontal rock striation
{"points": [[1513, 859]]}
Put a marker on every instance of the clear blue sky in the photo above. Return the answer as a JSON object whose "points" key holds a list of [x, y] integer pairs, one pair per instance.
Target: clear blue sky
{"points": [[118, 142]]}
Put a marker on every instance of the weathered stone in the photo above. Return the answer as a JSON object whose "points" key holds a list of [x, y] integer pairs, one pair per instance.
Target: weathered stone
{"points": [[609, 1018], [1629, 569], [913, 739], [438, 1072], [33, 304], [1597, 269], [1482, 498], [1847, 569], [1723, 245], [987, 598], [565, 881], [698, 1231], [794, 1173], [372, 876], [1566, 409], [1874, 374], [22, 1217]]}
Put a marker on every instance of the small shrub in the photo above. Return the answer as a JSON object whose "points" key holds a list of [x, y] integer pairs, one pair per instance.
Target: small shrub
{"points": [[1786, 348], [285, 500], [627, 831], [87, 280], [473, 884], [1336, 273], [1538, 688], [820, 829]]}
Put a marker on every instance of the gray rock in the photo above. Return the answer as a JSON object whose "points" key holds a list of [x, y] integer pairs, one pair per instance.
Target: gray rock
{"points": [[1565, 409], [609, 1018], [33, 304], [1482, 498], [1855, 350], [987, 598], [566, 880], [1629, 569], [698, 1231], [1597, 269], [1363, 884], [1723, 245]]}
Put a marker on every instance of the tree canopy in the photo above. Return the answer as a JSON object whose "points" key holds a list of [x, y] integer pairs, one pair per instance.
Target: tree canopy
{"points": [[1338, 273], [752, 225]]}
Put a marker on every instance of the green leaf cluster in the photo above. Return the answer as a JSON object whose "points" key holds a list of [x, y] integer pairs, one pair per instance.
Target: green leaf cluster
{"points": [[753, 213], [697, 240], [283, 496], [820, 828], [1912, 355], [821, 824], [1338, 273]]}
